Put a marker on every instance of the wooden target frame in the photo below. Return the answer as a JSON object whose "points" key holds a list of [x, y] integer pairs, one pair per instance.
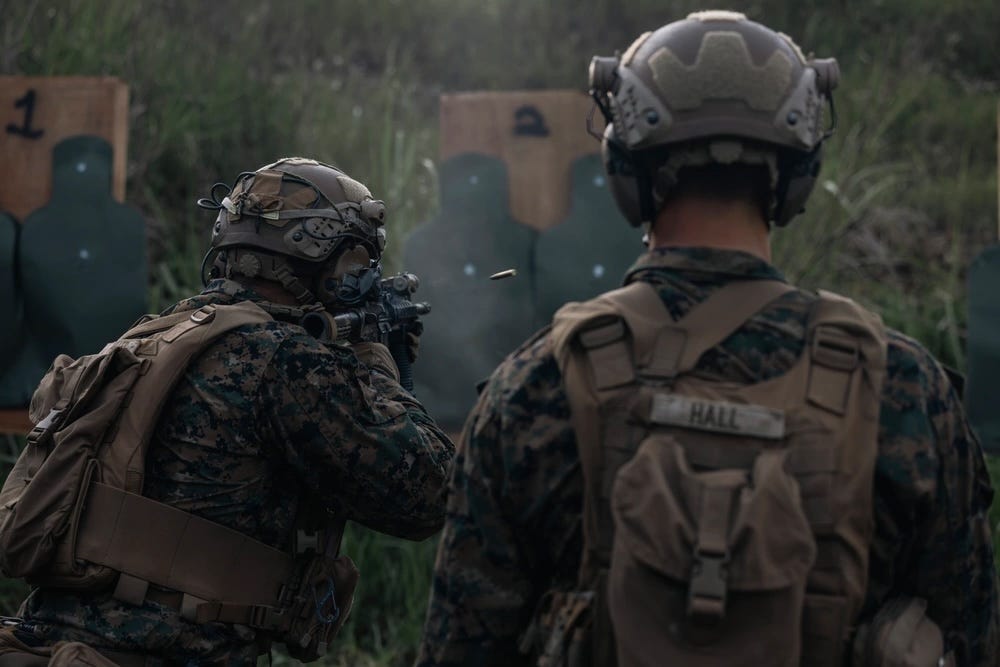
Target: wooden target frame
{"points": [[537, 134], [36, 113]]}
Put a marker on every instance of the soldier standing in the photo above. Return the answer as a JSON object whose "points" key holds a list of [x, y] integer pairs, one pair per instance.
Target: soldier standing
{"points": [[710, 466], [267, 443]]}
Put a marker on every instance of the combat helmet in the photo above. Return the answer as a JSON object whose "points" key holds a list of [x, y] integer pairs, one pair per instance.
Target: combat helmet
{"points": [[301, 223], [712, 88]]}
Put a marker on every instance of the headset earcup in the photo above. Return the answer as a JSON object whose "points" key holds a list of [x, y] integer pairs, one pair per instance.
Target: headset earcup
{"points": [[622, 179], [797, 176]]}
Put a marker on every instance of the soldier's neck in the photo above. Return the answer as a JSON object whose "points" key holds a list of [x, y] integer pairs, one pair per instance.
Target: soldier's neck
{"points": [[707, 223]]}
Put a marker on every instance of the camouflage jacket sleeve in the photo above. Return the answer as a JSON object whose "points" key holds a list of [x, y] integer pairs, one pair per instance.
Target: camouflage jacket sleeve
{"points": [[932, 503], [360, 443], [513, 516]]}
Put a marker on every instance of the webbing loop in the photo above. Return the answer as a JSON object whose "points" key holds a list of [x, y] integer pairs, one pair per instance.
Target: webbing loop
{"points": [[204, 314], [833, 349], [835, 357], [609, 355]]}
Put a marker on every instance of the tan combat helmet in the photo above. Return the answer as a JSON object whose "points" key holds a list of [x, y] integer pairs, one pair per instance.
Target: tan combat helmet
{"points": [[712, 88], [303, 224]]}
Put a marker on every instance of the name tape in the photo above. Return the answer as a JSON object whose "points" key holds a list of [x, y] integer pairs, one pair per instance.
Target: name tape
{"points": [[717, 416]]}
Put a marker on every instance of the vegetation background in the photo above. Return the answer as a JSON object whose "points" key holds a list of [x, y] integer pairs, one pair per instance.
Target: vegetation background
{"points": [[907, 196]]}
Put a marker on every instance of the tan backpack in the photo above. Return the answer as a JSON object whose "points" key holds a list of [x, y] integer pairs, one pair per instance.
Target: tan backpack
{"points": [[72, 513], [724, 524]]}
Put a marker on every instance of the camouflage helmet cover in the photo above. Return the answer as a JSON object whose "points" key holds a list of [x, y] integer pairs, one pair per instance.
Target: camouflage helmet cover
{"points": [[300, 208], [304, 215], [714, 87]]}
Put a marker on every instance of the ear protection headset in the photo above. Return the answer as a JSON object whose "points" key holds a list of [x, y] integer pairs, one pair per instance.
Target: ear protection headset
{"points": [[645, 125], [350, 279]]}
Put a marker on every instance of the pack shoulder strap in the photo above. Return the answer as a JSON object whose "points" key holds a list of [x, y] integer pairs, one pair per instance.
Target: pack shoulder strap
{"points": [[150, 542], [668, 348], [604, 345], [655, 333], [845, 361], [170, 344]]}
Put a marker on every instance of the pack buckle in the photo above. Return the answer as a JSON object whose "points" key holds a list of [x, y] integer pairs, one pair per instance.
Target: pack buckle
{"points": [[707, 589]]}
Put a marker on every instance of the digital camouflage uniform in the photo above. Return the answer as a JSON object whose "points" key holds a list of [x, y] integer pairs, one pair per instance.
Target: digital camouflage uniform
{"points": [[514, 514], [266, 418]]}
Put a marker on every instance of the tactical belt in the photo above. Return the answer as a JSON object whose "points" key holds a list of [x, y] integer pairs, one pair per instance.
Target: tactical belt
{"points": [[218, 574]]}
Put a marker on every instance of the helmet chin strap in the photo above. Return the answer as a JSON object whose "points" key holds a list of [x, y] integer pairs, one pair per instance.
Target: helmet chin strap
{"points": [[292, 284]]}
